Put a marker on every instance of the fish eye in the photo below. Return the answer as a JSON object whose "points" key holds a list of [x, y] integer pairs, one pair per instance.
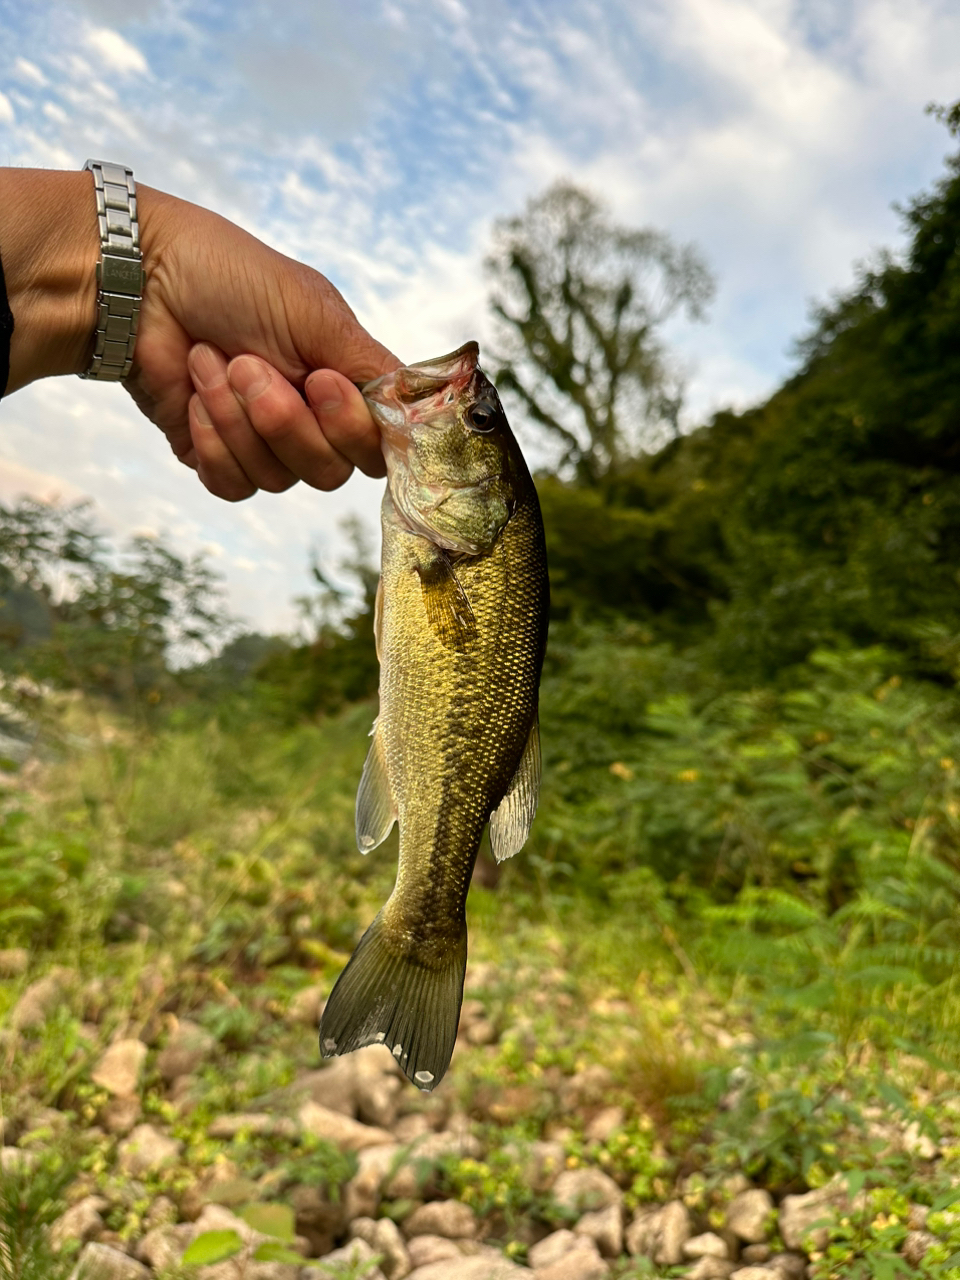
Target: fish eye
{"points": [[482, 415]]}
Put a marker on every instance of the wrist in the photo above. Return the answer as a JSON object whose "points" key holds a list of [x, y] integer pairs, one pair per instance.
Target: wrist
{"points": [[50, 247]]}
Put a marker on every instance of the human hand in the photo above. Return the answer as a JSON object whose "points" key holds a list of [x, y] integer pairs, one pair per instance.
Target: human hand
{"points": [[230, 330]]}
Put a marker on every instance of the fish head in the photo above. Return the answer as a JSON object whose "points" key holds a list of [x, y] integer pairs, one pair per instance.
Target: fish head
{"points": [[454, 469]]}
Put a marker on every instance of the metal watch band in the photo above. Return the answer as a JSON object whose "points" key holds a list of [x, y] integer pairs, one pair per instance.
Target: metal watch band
{"points": [[119, 272]]}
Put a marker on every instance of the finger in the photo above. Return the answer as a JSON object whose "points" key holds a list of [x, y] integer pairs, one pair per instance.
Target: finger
{"points": [[216, 465], [286, 425], [345, 420], [227, 411]]}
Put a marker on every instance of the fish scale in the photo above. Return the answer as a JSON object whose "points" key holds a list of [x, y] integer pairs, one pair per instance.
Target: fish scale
{"points": [[462, 629]]}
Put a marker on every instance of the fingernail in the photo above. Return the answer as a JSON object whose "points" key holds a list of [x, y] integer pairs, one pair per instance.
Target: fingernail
{"points": [[328, 388], [248, 376], [206, 366], [200, 413]]}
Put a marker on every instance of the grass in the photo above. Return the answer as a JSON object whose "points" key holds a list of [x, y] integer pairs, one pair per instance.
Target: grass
{"points": [[782, 1001]]}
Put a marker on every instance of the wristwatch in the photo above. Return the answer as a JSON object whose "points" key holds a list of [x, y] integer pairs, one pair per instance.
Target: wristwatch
{"points": [[120, 274]]}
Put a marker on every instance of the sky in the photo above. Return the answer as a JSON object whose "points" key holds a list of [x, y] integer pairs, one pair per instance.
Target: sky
{"points": [[379, 140]]}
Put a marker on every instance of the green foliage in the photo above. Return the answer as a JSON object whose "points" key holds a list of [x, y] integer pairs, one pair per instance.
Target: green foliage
{"points": [[211, 1247], [827, 517], [31, 1197], [35, 871]]}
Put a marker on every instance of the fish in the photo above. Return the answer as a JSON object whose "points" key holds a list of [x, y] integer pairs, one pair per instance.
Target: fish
{"points": [[461, 628]]}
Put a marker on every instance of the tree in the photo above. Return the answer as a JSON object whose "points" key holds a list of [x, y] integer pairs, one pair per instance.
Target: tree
{"points": [[79, 612], [579, 303]]}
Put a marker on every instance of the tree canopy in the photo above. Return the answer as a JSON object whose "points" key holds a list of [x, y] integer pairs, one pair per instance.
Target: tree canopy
{"points": [[579, 303]]}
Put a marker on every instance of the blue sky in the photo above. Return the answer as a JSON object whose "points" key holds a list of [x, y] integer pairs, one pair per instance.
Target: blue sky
{"points": [[377, 140]]}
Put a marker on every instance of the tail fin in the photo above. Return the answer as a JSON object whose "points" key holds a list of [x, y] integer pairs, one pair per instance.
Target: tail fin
{"points": [[383, 997]]}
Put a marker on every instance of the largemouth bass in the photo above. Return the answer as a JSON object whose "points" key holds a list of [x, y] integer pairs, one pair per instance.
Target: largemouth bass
{"points": [[461, 626]]}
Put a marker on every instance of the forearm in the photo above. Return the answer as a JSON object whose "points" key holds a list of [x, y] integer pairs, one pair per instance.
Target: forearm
{"points": [[49, 247]]}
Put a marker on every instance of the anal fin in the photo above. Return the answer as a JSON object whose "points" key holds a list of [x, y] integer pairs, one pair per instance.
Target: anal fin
{"points": [[376, 810], [512, 819]]}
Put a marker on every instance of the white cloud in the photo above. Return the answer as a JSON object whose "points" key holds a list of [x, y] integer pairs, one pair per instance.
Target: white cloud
{"points": [[117, 53], [29, 71], [6, 110]]}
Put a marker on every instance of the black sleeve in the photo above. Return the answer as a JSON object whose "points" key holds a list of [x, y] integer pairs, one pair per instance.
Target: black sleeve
{"points": [[6, 333]]}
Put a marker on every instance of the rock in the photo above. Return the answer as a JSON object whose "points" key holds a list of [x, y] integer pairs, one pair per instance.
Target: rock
{"points": [[81, 1222], [543, 1163], [427, 1249], [361, 1196], [798, 1214], [604, 1124], [256, 1123], [240, 1267], [411, 1127], [101, 1262], [354, 1255], [161, 1213], [40, 999], [708, 1268], [789, 1266], [917, 1143], [446, 1218], [477, 1268], [118, 1071], [481, 1032], [582, 1262], [384, 1238], [334, 1087], [605, 1228], [189, 1046], [916, 1245], [379, 1085], [917, 1217], [755, 1253], [318, 1217], [120, 1115], [147, 1150], [583, 1190], [13, 962], [707, 1245], [674, 1231], [552, 1247], [755, 1273], [749, 1215], [304, 1009], [449, 1142], [347, 1134], [378, 1095], [163, 1246], [587, 1088], [13, 1158], [660, 1233]]}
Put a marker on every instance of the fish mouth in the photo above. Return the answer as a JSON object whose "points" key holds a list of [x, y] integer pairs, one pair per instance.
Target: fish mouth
{"points": [[442, 379]]}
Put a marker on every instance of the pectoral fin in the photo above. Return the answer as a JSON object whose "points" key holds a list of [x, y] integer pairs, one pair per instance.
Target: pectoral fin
{"points": [[448, 609], [510, 822], [376, 811]]}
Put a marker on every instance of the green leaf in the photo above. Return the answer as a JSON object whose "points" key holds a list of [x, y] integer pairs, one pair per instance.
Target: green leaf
{"points": [[855, 1180], [277, 1251], [212, 1246], [270, 1219]]}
